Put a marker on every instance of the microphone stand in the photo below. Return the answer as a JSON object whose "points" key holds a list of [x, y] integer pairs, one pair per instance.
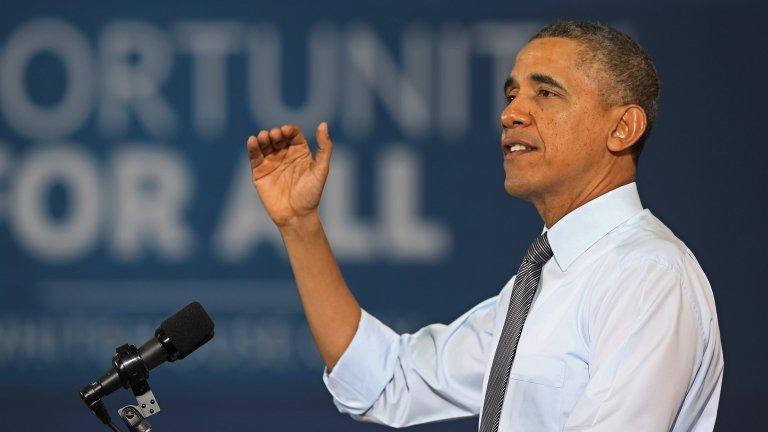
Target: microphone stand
{"points": [[134, 420], [135, 416]]}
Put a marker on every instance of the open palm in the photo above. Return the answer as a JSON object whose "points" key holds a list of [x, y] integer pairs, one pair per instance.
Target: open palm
{"points": [[288, 179]]}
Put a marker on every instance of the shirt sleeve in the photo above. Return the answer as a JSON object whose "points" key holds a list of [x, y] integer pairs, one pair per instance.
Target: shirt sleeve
{"points": [[646, 343], [401, 380]]}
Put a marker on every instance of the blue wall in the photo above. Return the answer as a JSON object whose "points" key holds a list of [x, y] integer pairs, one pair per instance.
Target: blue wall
{"points": [[124, 191]]}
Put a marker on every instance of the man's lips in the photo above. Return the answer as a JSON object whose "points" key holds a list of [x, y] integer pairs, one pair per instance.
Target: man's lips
{"points": [[513, 147]]}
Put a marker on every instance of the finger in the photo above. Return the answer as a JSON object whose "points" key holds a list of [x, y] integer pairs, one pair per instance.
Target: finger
{"points": [[264, 143], [292, 134], [276, 136], [324, 146], [254, 151]]}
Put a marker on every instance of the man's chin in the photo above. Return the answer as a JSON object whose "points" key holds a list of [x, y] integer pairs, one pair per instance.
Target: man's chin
{"points": [[517, 188]]}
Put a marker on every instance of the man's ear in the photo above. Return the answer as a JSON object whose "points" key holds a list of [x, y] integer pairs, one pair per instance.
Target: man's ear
{"points": [[630, 126]]}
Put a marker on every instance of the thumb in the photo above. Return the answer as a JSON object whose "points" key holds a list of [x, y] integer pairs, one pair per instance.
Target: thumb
{"points": [[324, 146]]}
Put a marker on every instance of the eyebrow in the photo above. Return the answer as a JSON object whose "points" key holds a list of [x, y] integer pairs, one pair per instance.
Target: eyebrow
{"points": [[546, 79], [536, 77], [510, 82]]}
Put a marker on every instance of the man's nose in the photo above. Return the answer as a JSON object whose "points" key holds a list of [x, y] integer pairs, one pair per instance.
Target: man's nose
{"points": [[515, 115]]}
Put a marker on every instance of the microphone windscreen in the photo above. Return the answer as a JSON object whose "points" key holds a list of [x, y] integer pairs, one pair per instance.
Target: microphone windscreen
{"points": [[188, 329]]}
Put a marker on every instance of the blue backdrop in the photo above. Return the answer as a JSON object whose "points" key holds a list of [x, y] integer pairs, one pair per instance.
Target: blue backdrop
{"points": [[124, 187]]}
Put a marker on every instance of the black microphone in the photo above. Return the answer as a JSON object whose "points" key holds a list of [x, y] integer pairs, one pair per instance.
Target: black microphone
{"points": [[176, 338]]}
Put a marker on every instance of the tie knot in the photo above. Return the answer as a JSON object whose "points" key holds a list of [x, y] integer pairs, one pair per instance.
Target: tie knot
{"points": [[539, 251]]}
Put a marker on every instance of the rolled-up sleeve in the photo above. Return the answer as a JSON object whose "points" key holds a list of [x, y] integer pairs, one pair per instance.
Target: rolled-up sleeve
{"points": [[353, 383], [401, 380]]}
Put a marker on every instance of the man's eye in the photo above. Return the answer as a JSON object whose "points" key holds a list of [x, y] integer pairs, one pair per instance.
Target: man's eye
{"points": [[509, 98], [546, 93]]}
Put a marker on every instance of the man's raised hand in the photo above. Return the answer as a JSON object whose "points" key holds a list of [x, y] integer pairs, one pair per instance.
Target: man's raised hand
{"points": [[288, 179]]}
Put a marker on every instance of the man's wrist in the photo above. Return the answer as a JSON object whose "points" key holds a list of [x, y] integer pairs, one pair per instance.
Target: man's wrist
{"points": [[301, 226]]}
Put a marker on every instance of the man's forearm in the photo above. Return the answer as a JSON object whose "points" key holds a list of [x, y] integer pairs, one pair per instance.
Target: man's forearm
{"points": [[331, 309]]}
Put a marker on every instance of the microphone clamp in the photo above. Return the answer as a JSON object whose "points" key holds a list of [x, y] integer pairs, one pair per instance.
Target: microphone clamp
{"points": [[133, 374]]}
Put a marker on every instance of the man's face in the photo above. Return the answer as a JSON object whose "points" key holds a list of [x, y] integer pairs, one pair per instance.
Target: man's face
{"points": [[554, 110]]}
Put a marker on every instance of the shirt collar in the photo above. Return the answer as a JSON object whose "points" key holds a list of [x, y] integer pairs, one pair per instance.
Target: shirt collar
{"points": [[581, 228]]}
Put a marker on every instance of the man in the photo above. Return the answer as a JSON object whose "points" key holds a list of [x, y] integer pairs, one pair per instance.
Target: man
{"points": [[609, 324]]}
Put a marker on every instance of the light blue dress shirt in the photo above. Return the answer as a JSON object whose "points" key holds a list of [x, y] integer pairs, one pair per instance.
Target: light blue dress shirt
{"points": [[622, 336]]}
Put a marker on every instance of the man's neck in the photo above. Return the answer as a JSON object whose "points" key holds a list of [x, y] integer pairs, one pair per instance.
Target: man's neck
{"points": [[554, 206]]}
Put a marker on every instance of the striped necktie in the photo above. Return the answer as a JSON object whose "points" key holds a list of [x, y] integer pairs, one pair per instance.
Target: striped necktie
{"points": [[526, 282]]}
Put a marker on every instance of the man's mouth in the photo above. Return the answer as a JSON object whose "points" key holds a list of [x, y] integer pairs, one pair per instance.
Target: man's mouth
{"points": [[513, 149]]}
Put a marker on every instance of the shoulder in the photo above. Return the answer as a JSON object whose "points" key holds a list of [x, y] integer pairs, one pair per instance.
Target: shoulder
{"points": [[644, 259], [645, 239]]}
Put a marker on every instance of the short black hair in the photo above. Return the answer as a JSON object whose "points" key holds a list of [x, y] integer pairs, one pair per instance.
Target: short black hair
{"points": [[635, 80]]}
